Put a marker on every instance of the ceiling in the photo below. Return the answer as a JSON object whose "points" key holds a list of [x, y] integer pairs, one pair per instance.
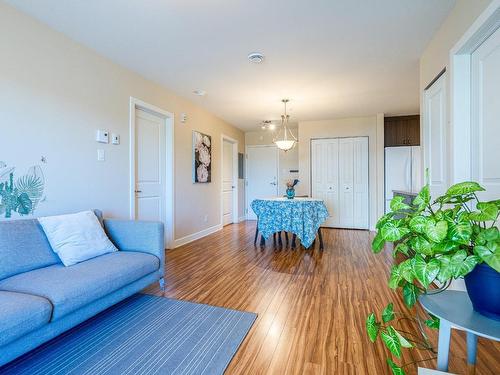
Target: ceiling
{"points": [[332, 58]]}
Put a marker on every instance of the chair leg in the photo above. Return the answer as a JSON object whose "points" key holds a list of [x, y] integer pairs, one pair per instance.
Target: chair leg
{"points": [[274, 239], [256, 235], [280, 242], [162, 284], [262, 241], [321, 247], [294, 237], [286, 238]]}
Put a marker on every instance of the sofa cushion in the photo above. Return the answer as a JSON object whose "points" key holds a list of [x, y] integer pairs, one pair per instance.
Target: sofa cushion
{"points": [[20, 314], [70, 288], [23, 247]]}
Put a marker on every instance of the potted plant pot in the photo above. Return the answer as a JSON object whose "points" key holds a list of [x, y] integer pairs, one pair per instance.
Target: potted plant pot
{"points": [[483, 287]]}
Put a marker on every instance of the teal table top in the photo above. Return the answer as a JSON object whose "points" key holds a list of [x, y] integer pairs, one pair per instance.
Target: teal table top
{"points": [[456, 307], [301, 216]]}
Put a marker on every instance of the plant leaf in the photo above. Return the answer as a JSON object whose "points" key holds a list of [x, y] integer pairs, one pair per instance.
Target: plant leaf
{"points": [[436, 232], [460, 232], [489, 254], [423, 198], [406, 269], [418, 223], [393, 231], [487, 212], [397, 204], [464, 188], [433, 322], [467, 265], [425, 272], [421, 245], [391, 340], [396, 370], [410, 294], [378, 243], [388, 313], [395, 277], [446, 270], [372, 327], [402, 340], [401, 247]]}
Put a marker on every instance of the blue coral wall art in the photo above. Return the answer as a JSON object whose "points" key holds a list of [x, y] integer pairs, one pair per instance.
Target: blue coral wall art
{"points": [[20, 195]]}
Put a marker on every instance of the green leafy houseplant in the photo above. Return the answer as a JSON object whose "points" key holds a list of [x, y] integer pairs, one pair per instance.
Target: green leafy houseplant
{"points": [[441, 240]]}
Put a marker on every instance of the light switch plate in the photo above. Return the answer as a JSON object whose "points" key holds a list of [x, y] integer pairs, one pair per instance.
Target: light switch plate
{"points": [[115, 139], [101, 155], [102, 136]]}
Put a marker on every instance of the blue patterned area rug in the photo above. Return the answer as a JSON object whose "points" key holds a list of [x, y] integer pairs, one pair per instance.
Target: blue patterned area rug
{"points": [[143, 335]]}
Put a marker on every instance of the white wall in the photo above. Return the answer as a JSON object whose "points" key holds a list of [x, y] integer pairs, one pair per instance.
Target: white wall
{"points": [[370, 126], [287, 160], [54, 94]]}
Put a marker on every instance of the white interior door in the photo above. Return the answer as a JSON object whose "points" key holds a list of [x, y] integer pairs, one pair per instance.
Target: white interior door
{"points": [[485, 111], [261, 174], [435, 153], [339, 169], [228, 184], [360, 183], [324, 160], [150, 168]]}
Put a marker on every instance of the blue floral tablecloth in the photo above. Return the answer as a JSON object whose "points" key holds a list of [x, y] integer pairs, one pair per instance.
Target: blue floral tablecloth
{"points": [[301, 216]]}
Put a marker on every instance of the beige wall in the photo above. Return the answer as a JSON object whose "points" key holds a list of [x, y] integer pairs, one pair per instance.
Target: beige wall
{"points": [[55, 93], [287, 160], [436, 55], [373, 128]]}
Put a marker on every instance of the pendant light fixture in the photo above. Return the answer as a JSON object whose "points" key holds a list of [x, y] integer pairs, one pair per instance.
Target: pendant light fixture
{"points": [[285, 140]]}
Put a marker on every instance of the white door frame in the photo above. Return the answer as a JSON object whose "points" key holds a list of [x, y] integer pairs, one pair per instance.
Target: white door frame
{"points": [[136, 104], [247, 203], [460, 91], [234, 143]]}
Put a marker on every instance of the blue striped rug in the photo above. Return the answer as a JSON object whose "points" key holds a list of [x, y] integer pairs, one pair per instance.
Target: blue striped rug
{"points": [[143, 334]]}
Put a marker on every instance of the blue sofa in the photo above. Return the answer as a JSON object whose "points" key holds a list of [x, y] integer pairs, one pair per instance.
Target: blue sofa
{"points": [[40, 298]]}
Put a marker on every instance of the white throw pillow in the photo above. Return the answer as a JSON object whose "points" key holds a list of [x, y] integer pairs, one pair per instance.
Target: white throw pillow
{"points": [[76, 237]]}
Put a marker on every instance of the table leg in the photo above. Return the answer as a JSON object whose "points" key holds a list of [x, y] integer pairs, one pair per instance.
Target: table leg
{"points": [[443, 345], [321, 247], [471, 348]]}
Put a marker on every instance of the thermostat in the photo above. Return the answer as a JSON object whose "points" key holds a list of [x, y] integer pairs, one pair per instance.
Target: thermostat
{"points": [[102, 136]]}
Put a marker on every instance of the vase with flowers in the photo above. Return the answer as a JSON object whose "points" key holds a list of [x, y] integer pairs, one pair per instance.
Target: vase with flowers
{"points": [[290, 188]]}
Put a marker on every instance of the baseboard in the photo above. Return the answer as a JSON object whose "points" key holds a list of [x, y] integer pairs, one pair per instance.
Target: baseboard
{"points": [[196, 236], [241, 218]]}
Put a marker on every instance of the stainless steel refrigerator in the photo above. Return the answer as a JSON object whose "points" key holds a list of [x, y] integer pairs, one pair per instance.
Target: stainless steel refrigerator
{"points": [[402, 171]]}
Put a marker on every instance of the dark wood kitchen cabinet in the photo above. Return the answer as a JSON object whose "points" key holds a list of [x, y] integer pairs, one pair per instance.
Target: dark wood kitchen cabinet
{"points": [[402, 131]]}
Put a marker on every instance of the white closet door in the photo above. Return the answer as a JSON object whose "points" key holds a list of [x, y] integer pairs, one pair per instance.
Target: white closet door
{"points": [[486, 116], [340, 178], [325, 176], [346, 182], [360, 183]]}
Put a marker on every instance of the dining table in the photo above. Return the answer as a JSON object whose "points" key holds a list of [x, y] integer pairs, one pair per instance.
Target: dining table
{"points": [[301, 216]]}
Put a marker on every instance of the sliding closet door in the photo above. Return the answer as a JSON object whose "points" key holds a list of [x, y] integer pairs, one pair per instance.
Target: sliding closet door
{"points": [[325, 176], [360, 183], [339, 169]]}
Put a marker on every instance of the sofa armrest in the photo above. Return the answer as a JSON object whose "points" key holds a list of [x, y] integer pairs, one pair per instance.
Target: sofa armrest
{"points": [[143, 236]]}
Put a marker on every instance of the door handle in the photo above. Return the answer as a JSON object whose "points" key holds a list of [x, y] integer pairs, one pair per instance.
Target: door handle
{"points": [[138, 191]]}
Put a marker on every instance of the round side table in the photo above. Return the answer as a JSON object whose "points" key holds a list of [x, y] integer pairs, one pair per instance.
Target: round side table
{"points": [[454, 310]]}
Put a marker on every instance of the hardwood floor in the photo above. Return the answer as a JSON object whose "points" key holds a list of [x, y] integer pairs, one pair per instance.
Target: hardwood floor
{"points": [[311, 304]]}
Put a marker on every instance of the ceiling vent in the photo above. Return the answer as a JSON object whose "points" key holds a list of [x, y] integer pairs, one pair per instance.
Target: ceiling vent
{"points": [[256, 57]]}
